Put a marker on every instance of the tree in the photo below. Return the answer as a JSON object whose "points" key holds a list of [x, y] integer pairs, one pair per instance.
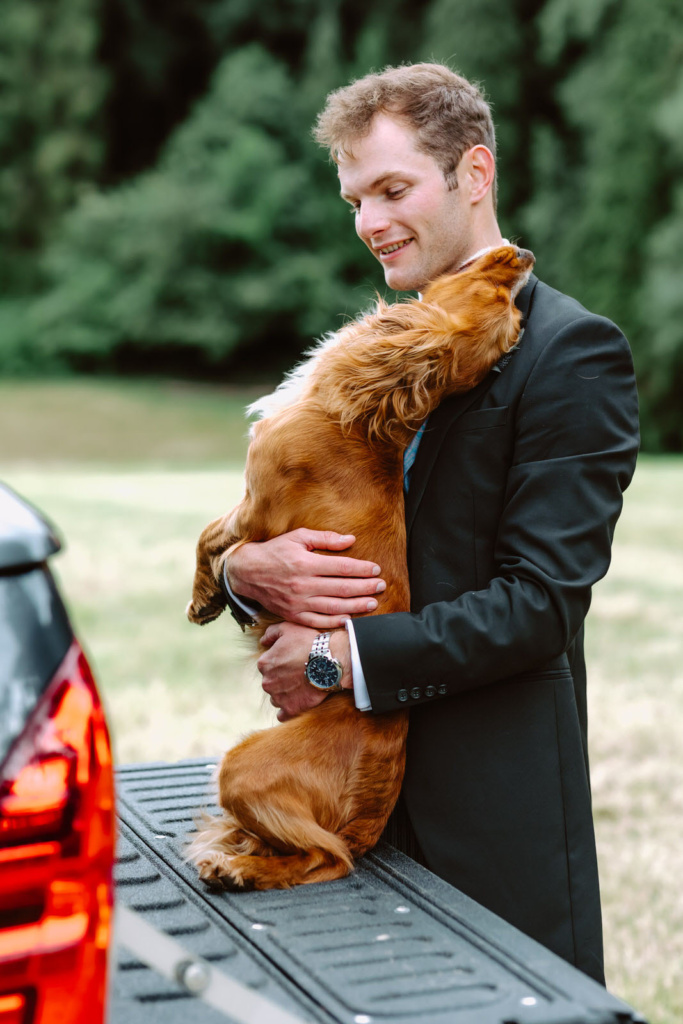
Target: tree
{"points": [[661, 294], [159, 58], [459, 32], [162, 200], [236, 238], [219, 245], [51, 95], [603, 182]]}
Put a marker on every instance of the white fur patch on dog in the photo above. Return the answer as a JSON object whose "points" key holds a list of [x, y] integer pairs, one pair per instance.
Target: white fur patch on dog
{"points": [[294, 384]]}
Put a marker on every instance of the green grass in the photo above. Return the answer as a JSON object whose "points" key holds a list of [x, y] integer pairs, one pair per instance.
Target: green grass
{"points": [[132, 473], [635, 652], [172, 689], [96, 456], [164, 422]]}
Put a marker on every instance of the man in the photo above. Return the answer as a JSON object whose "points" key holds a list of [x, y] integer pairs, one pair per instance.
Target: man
{"points": [[510, 512]]}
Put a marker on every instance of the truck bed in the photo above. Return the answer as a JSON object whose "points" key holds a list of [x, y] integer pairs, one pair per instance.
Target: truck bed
{"points": [[390, 943]]}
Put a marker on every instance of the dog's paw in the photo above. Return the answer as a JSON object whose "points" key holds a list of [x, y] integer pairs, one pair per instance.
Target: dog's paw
{"points": [[217, 872], [200, 616]]}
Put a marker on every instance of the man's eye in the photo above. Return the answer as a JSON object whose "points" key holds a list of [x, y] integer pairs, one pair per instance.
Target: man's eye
{"points": [[396, 193], [354, 208]]}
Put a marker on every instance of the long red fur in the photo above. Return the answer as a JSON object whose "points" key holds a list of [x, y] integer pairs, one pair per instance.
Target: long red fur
{"points": [[303, 800]]}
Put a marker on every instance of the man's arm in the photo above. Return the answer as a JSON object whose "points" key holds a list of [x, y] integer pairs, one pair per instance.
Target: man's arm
{"points": [[288, 577], [282, 667], [575, 451]]}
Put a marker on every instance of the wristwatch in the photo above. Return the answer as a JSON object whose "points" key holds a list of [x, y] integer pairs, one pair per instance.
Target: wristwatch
{"points": [[322, 670]]}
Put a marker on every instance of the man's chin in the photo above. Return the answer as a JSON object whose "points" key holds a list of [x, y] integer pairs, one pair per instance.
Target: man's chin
{"points": [[403, 281]]}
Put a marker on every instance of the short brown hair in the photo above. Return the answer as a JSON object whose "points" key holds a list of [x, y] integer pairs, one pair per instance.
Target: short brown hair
{"points": [[448, 114]]}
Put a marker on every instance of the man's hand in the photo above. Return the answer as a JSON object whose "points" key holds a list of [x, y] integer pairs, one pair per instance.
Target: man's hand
{"points": [[287, 576], [282, 667]]}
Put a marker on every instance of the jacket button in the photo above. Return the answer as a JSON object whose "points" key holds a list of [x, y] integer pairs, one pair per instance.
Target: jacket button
{"points": [[416, 693], [430, 691], [442, 689], [402, 695]]}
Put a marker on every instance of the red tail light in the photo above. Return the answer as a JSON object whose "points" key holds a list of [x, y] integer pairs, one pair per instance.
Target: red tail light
{"points": [[13, 1008], [56, 857]]}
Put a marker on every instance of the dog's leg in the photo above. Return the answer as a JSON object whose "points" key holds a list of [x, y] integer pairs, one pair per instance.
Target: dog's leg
{"points": [[215, 869], [230, 858], [271, 844], [376, 782], [282, 871], [216, 539], [363, 833], [216, 842]]}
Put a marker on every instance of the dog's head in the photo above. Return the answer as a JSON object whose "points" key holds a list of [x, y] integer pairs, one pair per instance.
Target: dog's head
{"points": [[496, 276]]}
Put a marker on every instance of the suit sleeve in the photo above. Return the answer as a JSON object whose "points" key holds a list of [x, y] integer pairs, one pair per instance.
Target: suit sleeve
{"points": [[574, 454]]}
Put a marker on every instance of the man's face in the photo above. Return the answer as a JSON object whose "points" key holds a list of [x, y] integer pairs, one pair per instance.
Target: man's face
{"points": [[405, 213]]}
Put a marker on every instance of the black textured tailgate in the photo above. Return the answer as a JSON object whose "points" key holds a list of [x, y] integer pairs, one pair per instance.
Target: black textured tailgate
{"points": [[391, 943]]}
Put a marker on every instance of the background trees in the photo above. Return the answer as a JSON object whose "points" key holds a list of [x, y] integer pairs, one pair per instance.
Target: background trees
{"points": [[162, 205]]}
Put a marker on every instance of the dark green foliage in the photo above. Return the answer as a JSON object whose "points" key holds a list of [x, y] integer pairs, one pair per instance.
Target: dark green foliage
{"points": [[661, 294], [218, 244], [460, 33], [236, 238], [159, 57], [51, 95], [603, 181], [161, 196]]}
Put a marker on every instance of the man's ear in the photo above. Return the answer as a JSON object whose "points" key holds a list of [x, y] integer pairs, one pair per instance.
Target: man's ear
{"points": [[479, 166]]}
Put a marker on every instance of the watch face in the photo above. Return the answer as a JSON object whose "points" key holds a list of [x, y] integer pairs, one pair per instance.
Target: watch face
{"points": [[323, 672]]}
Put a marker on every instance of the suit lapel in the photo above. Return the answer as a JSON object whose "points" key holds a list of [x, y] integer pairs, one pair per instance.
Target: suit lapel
{"points": [[442, 419], [439, 423]]}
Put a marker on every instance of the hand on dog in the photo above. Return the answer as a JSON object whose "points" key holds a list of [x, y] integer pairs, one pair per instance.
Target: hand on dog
{"points": [[292, 580], [282, 667]]}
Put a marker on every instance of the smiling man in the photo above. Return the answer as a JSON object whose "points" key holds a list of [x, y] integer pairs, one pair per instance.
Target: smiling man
{"points": [[511, 502], [407, 214]]}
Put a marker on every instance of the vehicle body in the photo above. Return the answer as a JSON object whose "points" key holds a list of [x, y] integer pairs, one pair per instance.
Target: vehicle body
{"points": [[57, 822]]}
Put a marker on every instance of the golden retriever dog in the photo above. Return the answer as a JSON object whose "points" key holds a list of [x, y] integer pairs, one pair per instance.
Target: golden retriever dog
{"points": [[301, 801]]}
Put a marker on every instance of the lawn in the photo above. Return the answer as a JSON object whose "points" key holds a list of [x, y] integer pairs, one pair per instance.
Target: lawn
{"points": [[131, 473]]}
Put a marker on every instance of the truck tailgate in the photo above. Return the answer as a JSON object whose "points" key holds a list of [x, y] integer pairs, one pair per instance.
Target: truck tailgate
{"points": [[391, 943]]}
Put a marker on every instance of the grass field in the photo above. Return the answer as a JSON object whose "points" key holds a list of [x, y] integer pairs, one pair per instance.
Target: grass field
{"points": [[132, 473]]}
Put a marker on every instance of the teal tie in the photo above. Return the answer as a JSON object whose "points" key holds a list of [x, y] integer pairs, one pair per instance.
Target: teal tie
{"points": [[409, 456]]}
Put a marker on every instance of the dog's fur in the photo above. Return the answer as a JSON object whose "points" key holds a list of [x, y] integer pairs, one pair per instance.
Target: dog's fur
{"points": [[303, 800]]}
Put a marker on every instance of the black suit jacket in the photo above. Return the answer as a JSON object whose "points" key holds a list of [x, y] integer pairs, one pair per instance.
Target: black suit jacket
{"points": [[513, 500]]}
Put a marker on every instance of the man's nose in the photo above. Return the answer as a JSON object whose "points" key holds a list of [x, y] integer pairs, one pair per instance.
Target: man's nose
{"points": [[371, 221]]}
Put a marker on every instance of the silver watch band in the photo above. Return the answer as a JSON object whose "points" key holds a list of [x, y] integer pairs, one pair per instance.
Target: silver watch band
{"points": [[321, 646]]}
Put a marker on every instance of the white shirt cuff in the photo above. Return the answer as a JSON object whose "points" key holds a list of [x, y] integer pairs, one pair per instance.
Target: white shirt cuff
{"points": [[360, 687], [250, 609]]}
